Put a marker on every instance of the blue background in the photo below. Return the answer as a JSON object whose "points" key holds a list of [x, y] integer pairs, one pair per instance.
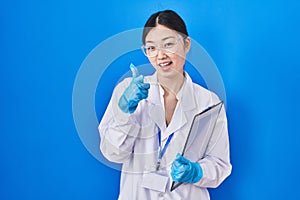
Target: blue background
{"points": [[43, 43]]}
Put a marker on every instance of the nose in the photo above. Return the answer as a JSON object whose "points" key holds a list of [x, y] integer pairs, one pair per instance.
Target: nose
{"points": [[161, 54]]}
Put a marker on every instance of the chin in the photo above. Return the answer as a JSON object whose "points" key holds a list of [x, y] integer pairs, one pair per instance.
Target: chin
{"points": [[170, 73]]}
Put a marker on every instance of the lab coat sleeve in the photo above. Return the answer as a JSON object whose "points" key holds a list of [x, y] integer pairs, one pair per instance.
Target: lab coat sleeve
{"points": [[216, 162], [117, 129]]}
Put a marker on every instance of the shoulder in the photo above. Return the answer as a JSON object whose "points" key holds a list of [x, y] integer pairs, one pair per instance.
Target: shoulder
{"points": [[203, 96], [200, 90]]}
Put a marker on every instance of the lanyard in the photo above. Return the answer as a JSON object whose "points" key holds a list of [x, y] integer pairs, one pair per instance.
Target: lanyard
{"points": [[162, 150]]}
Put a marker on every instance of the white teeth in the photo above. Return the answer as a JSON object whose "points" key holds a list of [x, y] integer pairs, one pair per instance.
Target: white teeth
{"points": [[164, 64]]}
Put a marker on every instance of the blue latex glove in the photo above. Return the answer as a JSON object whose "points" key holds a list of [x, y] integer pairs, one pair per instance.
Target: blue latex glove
{"points": [[134, 93], [183, 170]]}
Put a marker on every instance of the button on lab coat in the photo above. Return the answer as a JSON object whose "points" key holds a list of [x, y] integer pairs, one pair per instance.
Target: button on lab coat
{"points": [[132, 139]]}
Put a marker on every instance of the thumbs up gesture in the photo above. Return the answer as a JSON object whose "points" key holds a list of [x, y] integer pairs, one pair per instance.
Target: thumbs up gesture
{"points": [[134, 93]]}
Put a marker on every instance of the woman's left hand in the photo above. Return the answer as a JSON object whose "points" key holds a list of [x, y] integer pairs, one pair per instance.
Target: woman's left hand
{"points": [[183, 170]]}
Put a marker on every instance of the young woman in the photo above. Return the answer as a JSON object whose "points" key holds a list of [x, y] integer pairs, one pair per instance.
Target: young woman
{"points": [[148, 119]]}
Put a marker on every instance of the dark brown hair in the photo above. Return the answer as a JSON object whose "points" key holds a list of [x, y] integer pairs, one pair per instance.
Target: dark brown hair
{"points": [[167, 18]]}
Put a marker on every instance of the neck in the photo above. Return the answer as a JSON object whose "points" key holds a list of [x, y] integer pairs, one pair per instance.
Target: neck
{"points": [[172, 85]]}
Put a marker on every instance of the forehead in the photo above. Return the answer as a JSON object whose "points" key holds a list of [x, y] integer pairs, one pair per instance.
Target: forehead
{"points": [[159, 33]]}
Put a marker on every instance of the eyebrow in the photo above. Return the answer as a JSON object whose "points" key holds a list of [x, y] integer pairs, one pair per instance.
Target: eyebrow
{"points": [[162, 39]]}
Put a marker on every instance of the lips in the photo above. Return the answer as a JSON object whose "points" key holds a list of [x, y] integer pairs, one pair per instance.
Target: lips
{"points": [[165, 65]]}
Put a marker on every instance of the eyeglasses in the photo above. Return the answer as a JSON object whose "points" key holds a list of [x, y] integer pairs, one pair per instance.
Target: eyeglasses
{"points": [[168, 47]]}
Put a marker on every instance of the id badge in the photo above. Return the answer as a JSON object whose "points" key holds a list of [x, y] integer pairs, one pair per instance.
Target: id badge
{"points": [[155, 181]]}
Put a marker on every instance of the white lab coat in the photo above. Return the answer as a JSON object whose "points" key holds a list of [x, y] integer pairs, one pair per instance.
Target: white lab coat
{"points": [[131, 139]]}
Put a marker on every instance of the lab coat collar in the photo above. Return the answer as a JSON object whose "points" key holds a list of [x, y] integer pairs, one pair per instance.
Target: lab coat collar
{"points": [[154, 97], [156, 110], [186, 103], [185, 95]]}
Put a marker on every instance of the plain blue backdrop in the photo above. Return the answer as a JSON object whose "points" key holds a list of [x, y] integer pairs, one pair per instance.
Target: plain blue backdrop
{"points": [[255, 45]]}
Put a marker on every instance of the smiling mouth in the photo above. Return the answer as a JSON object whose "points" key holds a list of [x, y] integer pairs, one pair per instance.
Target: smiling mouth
{"points": [[165, 64]]}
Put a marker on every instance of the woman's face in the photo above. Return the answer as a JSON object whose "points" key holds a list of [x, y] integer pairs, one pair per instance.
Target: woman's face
{"points": [[168, 50]]}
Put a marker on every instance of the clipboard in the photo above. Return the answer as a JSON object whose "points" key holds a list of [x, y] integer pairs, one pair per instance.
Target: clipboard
{"points": [[203, 126]]}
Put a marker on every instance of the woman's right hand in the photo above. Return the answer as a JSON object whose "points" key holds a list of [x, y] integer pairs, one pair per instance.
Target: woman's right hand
{"points": [[134, 93]]}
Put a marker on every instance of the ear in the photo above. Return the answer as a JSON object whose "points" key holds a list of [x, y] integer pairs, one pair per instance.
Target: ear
{"points": [[187, 44]]}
